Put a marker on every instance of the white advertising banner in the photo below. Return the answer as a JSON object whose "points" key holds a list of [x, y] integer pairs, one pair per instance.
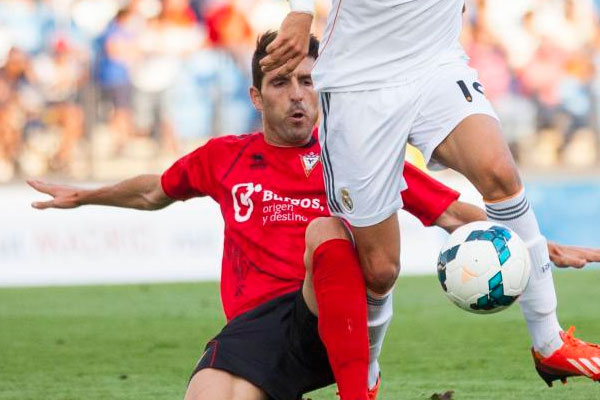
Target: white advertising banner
{"points": [[106, 245], [94, 244]]}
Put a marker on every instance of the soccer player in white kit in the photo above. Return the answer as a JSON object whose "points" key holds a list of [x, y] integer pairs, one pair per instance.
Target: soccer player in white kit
{"points": [[391, 72]]}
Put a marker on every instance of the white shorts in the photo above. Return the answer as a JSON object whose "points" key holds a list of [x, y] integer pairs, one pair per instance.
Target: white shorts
{"points": [[363, 136]]}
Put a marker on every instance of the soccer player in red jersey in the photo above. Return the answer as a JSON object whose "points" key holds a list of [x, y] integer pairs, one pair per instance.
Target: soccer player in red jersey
{"points": [[271, 192]]}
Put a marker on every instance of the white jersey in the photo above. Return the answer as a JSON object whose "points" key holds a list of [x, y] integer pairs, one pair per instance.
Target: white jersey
{"points": [[373, 44]]}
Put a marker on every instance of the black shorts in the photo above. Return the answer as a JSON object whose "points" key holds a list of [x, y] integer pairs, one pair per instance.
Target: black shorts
{"points": [[276, 346]]}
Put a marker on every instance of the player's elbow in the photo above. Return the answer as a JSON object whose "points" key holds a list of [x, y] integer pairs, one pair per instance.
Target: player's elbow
{"points": [[153, 201]]}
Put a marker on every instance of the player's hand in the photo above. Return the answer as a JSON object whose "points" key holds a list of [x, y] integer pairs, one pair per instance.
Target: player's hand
{"points": [[291, 44], [572, 256], [63, 196]]}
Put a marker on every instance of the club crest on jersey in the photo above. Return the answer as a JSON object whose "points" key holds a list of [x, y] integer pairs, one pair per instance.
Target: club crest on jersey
{"points": [[347, 200], [309, 162]]}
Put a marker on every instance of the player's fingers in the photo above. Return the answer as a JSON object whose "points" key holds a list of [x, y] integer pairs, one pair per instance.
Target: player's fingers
{"points": [[40, 186], [283, 45], [274, 61], [591, 255], [292, 52], [276, 51], [577, 262], [270, 63], [42, 205], [291, 65], [569, 260], [276, 44]]}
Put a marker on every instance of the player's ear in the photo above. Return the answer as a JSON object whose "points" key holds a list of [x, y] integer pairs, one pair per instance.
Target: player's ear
{"points": [[256, 98]]}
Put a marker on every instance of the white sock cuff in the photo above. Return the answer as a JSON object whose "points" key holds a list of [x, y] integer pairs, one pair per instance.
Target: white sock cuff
{"points": [[507, 206], [517, 214], [379, 310], [378, 301], [377, 296]]}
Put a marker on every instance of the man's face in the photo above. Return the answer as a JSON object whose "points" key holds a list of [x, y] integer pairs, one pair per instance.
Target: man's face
{"points": [[288, 105]]}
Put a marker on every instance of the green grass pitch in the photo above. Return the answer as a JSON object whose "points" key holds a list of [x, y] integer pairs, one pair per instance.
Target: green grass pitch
{"points": [[141, 342]]}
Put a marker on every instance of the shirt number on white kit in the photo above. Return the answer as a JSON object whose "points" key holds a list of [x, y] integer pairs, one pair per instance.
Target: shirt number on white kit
{"points": [[467, 93]]}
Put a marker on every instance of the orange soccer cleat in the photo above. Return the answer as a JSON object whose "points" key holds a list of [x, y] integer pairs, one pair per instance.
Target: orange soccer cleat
{"points": [[574, 358], [373, 392]]}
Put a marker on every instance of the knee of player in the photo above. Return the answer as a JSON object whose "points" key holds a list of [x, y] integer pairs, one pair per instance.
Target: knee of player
{"points": [[323, 229], [381, 274], [499, 181]]}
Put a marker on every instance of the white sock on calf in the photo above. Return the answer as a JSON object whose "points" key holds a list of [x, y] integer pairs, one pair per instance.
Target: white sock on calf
{"points": [[538, 302], [379, 315]]}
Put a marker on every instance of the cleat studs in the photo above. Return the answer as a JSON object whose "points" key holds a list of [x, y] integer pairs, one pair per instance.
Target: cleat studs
{"points": [[549, 378]]}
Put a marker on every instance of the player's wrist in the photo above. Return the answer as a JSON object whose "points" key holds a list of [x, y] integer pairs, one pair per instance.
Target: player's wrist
{"points": [[81, 197], [303, 6]]}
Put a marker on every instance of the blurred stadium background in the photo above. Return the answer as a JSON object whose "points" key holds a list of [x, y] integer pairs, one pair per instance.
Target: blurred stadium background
{"points": [[98, 90], [92, 91], [102, 89]]}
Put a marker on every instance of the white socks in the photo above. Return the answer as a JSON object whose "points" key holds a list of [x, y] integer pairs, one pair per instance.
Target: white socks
{"points": [[379, 315], [538, 302]]}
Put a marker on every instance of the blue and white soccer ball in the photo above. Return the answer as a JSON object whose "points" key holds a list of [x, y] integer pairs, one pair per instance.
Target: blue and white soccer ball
{"points": [[483, 267]]}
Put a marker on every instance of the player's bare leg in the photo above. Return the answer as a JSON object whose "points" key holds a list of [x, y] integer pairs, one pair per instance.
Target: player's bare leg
{"points": [[334, 289], [214, 384], [477, 149], [378, 248]]}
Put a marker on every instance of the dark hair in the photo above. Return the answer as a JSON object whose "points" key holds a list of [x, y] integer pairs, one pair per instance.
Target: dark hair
{"points": [[261, 52]]}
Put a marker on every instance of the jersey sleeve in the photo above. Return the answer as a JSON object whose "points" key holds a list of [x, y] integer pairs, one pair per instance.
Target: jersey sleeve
{"points": [[192, 175], [425, 198]]}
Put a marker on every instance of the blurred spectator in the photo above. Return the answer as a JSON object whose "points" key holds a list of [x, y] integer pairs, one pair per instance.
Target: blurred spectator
{"points": [[164, 45], [18, 101], [489, 58], [229, 28], [118, 53], [61, 76], [569, 23], [541, 79]]}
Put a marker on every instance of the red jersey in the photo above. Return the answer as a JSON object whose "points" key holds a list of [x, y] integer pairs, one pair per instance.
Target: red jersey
{"points": [[425, 198], [268, 195]]}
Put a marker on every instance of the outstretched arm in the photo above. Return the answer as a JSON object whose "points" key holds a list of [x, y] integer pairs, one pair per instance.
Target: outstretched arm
{"points": [[459, 213], [144, 192]]}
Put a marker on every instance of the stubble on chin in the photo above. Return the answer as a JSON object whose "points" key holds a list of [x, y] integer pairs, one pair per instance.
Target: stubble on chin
{"points": [[297, 135]]}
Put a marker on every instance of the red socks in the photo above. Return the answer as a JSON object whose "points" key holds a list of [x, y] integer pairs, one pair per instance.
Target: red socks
{"points": [[342, 302]]}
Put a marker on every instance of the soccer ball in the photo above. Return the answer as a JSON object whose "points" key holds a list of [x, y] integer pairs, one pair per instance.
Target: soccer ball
{"points": [[483, 267]]}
